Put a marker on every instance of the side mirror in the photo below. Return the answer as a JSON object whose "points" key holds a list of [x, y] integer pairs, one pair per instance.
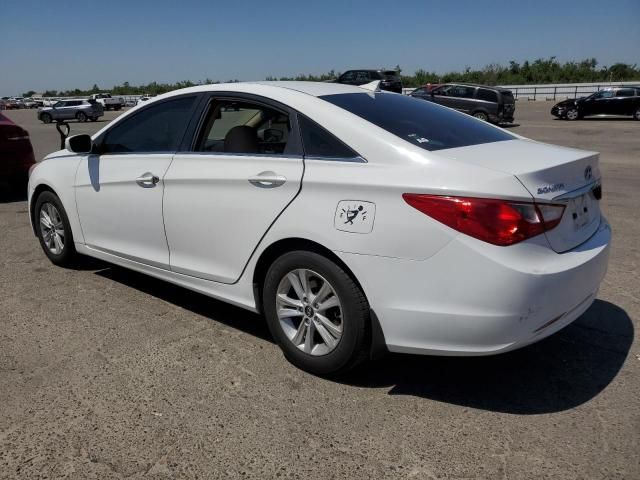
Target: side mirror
{"points": [[79, 143]]}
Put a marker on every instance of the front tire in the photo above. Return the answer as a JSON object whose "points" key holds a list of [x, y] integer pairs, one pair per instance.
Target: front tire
{"points": [[481, 116], [636, 114], [81, 116], [317, 313], [46, 118], [572, 114], [54, 231]]}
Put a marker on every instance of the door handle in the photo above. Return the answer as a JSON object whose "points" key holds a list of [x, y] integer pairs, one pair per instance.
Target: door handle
{"points": [[267, 180], [147, 180]]}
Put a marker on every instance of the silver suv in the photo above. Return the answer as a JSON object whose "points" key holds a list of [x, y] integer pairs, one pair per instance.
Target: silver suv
{"points": [[81, 110]]}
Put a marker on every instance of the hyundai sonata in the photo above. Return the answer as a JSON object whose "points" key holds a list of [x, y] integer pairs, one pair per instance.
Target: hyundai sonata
{"points": [[356, 220]]}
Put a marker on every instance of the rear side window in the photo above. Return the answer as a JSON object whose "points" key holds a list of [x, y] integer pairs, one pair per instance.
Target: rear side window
{"points": [[487, 95], [320, 143], [625, 92], [424, 124], [158, 128]]}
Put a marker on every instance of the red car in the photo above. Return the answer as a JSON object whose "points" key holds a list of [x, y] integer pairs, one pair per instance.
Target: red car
{"points": [[16, 156]]}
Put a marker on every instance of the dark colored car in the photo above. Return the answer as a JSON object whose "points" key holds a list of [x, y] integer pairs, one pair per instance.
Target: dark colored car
{"points": [[16, 155], [492, 104], [389, 79], [610, 101]]}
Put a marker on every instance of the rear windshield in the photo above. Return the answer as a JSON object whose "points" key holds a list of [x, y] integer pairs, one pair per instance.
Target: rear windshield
{"points": [[390, 74], [421, 123]]}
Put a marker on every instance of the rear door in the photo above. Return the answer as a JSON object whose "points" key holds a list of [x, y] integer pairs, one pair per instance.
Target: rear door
{"points": [[242, 170], [461, 97], [622, 102]]}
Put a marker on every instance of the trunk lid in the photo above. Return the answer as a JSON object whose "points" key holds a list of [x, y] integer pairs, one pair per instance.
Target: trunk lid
{"points": [[551, 174]]}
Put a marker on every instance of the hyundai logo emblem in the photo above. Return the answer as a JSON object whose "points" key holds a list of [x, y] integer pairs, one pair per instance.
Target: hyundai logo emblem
{"points": [[588, 173]]}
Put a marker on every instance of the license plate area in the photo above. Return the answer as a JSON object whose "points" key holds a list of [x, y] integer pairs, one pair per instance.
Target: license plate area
{"points": [[581, 210]]}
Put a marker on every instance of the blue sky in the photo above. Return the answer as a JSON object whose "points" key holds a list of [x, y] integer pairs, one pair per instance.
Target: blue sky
{"points": [[63, 44]]}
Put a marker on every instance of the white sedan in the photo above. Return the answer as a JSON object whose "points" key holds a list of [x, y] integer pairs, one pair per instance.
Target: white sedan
{"points": [[357, 221]]}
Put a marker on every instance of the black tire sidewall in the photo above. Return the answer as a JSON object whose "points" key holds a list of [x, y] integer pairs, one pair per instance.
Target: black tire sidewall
{"points": [[46, 118], [68, 253], [81, 117], [355, 313]]}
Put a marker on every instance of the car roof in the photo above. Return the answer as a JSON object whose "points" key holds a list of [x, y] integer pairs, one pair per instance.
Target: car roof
{"points": [[490, 87], [316, 89]]}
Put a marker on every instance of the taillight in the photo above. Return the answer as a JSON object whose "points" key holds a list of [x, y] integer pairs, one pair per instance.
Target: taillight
{"points": [[500, 222]]}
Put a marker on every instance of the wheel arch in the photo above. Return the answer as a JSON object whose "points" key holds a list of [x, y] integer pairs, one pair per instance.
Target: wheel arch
{"points": [[282, 246], [480, 110], [43, 187], [378, 345]]}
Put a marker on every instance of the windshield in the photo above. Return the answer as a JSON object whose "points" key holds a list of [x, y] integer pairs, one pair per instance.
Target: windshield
{"points": [[421, 123]]}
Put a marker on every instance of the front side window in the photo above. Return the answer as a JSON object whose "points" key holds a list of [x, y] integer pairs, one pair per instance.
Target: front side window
{"points": [[423, 124], [603, 94], [244, 128], [349, 76], [318, 142], [362, 77], [158, 128]]}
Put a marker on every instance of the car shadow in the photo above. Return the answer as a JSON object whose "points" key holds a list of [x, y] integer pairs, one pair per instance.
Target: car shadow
{"points": [[200, 304], [12, 194], [556, 374], [597, 119], [608, 119], [509, 125]]}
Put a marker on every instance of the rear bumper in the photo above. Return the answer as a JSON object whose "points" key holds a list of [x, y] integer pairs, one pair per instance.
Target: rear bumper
{"points": [[477, 299]]}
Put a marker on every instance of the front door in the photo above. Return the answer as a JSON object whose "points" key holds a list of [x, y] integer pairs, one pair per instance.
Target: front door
{"points": [[222, 198], [119, 189]]}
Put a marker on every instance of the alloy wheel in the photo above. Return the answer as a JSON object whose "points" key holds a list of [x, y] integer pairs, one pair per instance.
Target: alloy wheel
{"points": [[309, 311], [52, 228], [572, 114]]}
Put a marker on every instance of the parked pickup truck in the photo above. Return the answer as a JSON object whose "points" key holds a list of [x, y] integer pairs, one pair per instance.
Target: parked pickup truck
{"points": [[107, 101]]}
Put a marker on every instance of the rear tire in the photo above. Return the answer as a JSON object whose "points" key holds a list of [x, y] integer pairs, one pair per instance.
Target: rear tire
{"points": [[54, 231], [636, 114], [300, 325], [46, 118]]}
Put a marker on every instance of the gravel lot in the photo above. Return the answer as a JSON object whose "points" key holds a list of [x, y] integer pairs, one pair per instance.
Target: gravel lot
{"points": [[105, 373]]}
